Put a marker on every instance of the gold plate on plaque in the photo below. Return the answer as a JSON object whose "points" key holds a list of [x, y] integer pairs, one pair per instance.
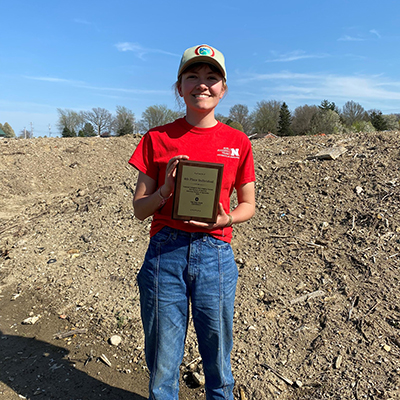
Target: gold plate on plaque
{"points": [[197, 191]]}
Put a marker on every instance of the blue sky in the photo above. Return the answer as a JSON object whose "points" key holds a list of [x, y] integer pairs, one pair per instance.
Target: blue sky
{"points": [[83, 54]]}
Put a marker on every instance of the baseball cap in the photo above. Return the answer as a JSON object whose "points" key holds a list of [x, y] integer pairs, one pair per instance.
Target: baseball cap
{"points": [[202, 53]]}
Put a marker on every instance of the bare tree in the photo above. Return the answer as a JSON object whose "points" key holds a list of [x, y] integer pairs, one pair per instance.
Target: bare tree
{"points": [[266, 116], [124, 122], [69, 120], [353, 112], [302, 116], [240, 113], [100, 118], [221, 118], [155, 116], [25, 134]]}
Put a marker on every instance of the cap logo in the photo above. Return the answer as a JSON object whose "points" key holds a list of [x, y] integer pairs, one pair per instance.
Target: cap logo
{"points": [[205, 51]]}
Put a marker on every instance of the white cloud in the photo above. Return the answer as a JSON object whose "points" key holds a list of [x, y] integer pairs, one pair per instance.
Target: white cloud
{"points": [[9, 106], [122, 90], [127, 46], [319, 86], [296, 55], [283, 75], [141, 51], [375, 32], [81, 21], [53, 80], [84, 85], [347, 38]]}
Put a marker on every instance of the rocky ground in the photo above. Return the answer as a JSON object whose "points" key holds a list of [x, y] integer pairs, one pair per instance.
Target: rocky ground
{"points": [[317, 311]]}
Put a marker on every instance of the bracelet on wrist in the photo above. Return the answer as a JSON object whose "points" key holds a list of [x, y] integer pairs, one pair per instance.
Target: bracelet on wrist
{"points": [[163, 199], [230, 222]]}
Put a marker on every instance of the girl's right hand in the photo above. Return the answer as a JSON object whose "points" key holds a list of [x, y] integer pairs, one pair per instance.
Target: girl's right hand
{"points": [[170, 173]]}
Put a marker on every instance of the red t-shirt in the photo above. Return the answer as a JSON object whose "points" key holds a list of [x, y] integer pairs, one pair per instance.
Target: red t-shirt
{"points": [[219, 144]]}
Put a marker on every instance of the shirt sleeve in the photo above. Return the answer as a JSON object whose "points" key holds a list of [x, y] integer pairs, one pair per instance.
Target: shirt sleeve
{"points": [[143, 157], [245, 173]]}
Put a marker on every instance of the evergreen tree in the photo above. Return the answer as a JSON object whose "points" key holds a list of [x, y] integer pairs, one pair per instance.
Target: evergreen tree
{"points": [[67, 133], [8, 130], [327, 105], [125, 129], [88, 130], [377, 120], [285, 121]]}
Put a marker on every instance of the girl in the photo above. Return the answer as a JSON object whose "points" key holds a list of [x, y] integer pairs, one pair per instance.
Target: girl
{"points": [[191, 260]]}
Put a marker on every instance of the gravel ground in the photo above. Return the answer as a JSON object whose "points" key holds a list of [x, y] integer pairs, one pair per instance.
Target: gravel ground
{"points": [[317, 311]]}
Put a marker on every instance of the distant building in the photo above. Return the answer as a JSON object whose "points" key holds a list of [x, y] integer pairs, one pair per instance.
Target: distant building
{"points": [[263, 135]]}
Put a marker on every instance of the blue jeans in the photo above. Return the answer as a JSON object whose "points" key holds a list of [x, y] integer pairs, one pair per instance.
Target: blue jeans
{"points": [[181, 265]]}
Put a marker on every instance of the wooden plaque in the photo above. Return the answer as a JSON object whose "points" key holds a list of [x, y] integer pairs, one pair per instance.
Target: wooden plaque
{"points": [[197, 191]]}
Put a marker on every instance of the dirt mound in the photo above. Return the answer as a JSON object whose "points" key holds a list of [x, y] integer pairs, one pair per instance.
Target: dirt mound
{"points": [[317, 311]]}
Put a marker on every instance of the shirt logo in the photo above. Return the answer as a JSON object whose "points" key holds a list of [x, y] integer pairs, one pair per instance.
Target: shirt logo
{"points": [[205, 51], [228, 152]]}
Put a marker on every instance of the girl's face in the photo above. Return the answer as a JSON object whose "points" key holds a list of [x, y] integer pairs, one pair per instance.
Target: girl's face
{"points": [[201, 89]]}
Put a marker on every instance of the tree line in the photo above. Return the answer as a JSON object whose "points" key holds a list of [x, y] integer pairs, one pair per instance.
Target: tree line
{"points": [[9, 132], [275, 117], [100, 121], [6, 128], [267, 117]]}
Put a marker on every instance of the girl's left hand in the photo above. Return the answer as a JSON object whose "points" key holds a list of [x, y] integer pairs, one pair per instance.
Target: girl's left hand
{"points": [[222, 220]]}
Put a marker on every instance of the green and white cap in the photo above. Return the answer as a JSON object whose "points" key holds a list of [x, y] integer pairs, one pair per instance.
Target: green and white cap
{"points": [[203, 53]]}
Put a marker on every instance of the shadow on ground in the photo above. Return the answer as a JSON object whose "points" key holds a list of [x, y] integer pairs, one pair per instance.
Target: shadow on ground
{"points": [[36, 369]]}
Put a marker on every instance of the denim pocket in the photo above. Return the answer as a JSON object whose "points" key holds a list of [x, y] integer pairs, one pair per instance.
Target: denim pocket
{"points": [[217, 243], [162, 237]]}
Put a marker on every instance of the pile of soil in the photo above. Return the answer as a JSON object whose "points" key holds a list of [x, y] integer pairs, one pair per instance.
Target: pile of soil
{"points": [[317, 312]]}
